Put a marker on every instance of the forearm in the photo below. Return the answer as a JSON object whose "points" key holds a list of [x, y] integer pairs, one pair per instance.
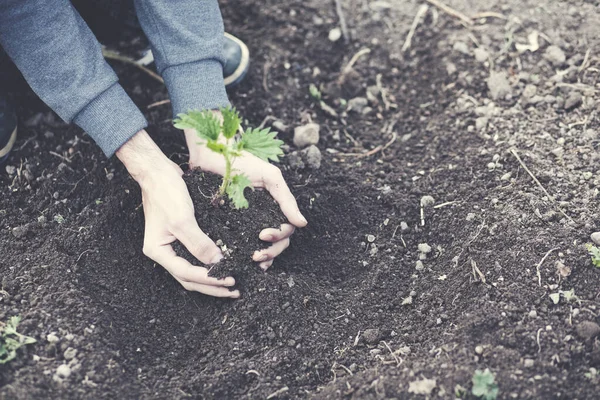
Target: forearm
{"points": [[187, 42], [62, 62]]}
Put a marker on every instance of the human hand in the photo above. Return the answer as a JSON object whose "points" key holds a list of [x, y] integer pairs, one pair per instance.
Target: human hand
{"points": [[263, 175], [169, 215]]}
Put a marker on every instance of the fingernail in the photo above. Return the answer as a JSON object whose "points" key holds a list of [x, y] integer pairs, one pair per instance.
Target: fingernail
{"points": [[235, 294], [216, 258], [302, 217]]}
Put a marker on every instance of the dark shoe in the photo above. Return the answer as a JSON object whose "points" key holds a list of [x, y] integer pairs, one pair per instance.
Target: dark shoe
{"points": [[237, 60], [8, 128]]}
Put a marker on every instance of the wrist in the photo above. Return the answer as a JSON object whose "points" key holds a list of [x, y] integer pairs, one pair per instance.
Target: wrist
{"points": [[142, 157]]}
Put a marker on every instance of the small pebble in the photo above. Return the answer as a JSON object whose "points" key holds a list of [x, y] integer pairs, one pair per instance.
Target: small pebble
{"points": [[419, 266], [306, 135], [587, 330], [371, 336], [63, 371], [70, 353], [479, 349], [424, 248], [528, 363], [370, 238], [532, 314], [404, 226], [595, 238]]}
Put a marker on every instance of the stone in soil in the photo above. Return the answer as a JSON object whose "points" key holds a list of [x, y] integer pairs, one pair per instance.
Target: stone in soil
{"points": [[312, 156], [498, 85], [358, 104], [574, 100], [555, 55], [20, 231], [306, 135], [371, 336], [595, 237], [587, 330]]}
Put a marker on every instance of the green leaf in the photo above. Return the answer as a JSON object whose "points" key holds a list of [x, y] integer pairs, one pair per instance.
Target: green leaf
{"points": [[315, 93], [595, 253], [235, 190], [231, 122], [261, 143], [205, 123], [484, 386], [216, 147]]}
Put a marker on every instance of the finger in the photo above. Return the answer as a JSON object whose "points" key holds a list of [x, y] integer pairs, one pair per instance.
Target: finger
{"points": [[275, 235], [273, 251], [198, 243], [214, 291], [185, 272], [286, 200], [265, 264]]}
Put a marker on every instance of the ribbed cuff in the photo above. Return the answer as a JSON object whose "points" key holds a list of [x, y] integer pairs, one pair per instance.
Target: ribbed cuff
{"points": [[111, 119], [196, 86]]}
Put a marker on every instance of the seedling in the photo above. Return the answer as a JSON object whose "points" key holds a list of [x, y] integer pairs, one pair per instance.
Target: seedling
{"points": [[220, 137], [595, 253], [11, 340], [484, 386]]}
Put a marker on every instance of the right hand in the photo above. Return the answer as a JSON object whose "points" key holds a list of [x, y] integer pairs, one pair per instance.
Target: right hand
{"points": [[169, 215]]}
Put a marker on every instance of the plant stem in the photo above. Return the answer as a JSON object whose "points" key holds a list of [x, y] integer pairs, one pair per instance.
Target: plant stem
{"points": [[227, 176]]}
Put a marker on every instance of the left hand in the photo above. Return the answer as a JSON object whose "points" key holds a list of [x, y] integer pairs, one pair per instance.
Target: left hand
{"points": [[262, 175]]}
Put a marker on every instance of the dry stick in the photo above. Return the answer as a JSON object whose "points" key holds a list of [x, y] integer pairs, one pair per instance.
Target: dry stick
{"points": [[383, 92], [278, 392], [340, 14], [420, 13], [158, 103], [376, 149], [489, 14], [112, 55], [537, 268], [355, 58], [451, 11], [514, 153]]}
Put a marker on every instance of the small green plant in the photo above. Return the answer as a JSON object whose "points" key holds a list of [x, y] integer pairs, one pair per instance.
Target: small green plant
{"points": [[595, 253], [220, 137], [484, 386], [11, 340]]}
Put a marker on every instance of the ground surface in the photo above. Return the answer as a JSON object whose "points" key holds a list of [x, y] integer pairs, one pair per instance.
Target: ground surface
{"points": [[341, 314]]}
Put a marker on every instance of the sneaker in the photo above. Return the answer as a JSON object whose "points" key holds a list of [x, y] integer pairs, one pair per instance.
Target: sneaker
{"points": [[8, 128], [237, 60]]}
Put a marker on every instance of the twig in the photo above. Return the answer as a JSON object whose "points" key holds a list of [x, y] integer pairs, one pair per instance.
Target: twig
{"points": [[278, 392], [373, 151], [383, 92], [514, 153], [451, 11], [420, 13], [112, 55], [398, 362], [355, 58], [586, 61], [477, 270], [340, 14], [445, 204], [489, 14], [538, 340], [158, 103], [537, 268]]}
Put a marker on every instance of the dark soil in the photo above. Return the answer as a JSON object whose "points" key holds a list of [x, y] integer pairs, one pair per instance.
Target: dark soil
{"points": [[346, 311], [236, 231]]}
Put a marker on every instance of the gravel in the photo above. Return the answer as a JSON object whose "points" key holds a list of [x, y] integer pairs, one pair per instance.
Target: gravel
{"points": [[312, 157], [371, 336], [587, 330], [306, 135], [555, 55], [498, 85]]}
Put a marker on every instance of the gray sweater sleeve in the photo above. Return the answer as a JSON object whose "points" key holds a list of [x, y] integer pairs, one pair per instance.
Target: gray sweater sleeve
{"points": [[62, 61], [187, 41]]}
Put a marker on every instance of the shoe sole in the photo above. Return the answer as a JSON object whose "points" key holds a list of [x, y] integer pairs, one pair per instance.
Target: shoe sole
{"points": [[11, 142], [239, 74]]}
